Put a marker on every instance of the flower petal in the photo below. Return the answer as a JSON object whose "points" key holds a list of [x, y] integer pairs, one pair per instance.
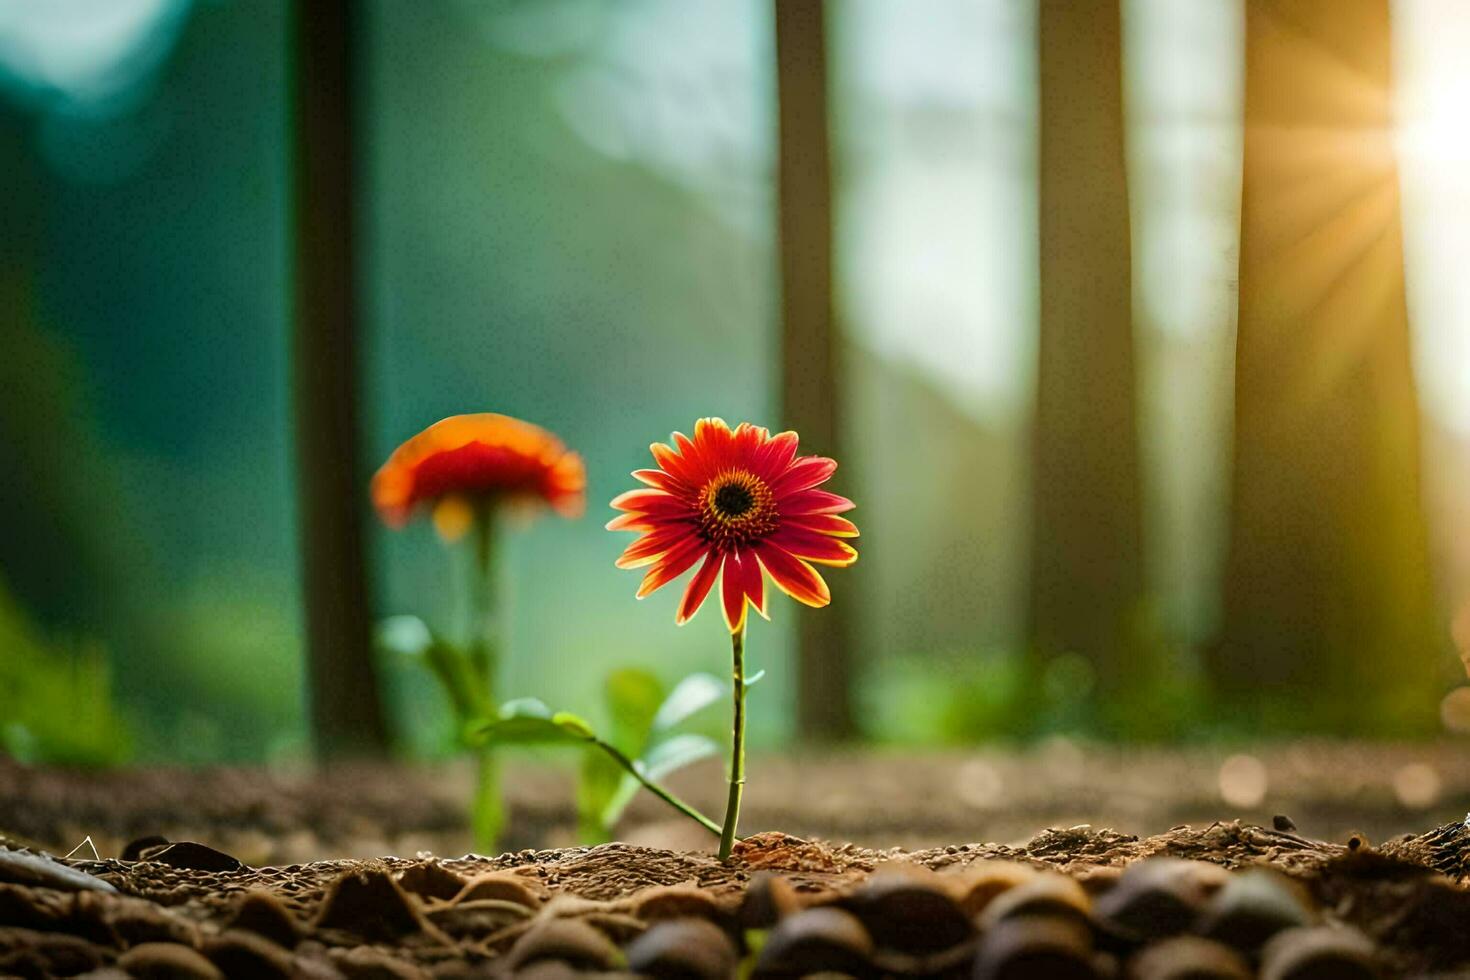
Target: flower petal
{"points": [[749, 438], [804, 473], [695, 462], [716, 443], [754, 582], [831, 524], [793, 576], [661, 480], [699, 587], [644, 501], [633, 522], [773, 458], [647, 549], [673, 564], [805, 502], [482, 455], [821, 548], [732, 591], [677, 466]]}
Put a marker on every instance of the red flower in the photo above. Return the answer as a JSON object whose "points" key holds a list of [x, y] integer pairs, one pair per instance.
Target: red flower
{"points": [[744, 502], [468, 459]]}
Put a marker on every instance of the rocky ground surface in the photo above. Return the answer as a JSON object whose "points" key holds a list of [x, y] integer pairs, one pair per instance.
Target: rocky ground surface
{"points": [[220, 872], [1224, 900]]}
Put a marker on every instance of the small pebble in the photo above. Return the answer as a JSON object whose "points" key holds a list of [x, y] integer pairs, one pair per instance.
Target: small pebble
{"points": [[909, 913], [1189, 958], [1252, 907], [137, 922], [40, 871], [134, 849], [1283, 823], [573, 942], [1158, 897], [168, 961], [684, 949], [552, 970], [30, 953], [431, 880], [675, 902], [1319, 953], [1036, 947], [768, 899], [500, 886], [245, 954], [1046, 893], [367, 902], [816, 940], [266, 915], [367, 963], [984, 880], [191, 856]]}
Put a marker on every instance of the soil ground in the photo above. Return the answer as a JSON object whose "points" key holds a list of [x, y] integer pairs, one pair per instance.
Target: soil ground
{"points": [[1379, 844], [471, 917], [876, 799]]}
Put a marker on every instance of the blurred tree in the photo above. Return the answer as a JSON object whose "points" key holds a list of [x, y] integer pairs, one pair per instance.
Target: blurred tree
{"points": [[50, 550], [1086, 578], [811, 366], [1327, 598], [346, 711]]}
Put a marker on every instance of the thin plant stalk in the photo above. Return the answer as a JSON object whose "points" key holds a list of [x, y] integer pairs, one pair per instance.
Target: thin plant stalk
{"points": [[487, 818], [658, 790], [737, 743]]}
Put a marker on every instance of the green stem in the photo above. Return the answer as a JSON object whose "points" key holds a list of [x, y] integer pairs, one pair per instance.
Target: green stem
{"points": [[482, 601], [459, 680], [656, 789], [488, 816], [737, 744], [487, 812]]}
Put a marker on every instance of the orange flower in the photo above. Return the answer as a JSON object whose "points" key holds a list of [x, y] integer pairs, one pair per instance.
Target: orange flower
{"points": [[468, 459], [744, 502]]}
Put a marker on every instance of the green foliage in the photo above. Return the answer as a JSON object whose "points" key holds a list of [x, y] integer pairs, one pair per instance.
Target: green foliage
{"points": [[641, 740], [645, 722], [528, 721], [633, 698], [971, 698], [55, 699]]}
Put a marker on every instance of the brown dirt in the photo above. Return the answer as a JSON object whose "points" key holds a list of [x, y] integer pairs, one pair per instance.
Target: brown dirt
{"points": [[400, 914], [874, 798]]}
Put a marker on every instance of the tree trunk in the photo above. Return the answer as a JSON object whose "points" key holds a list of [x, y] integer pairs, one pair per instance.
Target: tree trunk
{"points": [[346, 712], [811, 381], [1327, 598], [1086, 563]]}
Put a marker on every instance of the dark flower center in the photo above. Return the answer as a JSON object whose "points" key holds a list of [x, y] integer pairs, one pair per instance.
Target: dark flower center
{"points": [[733, 499], [736, 508]]}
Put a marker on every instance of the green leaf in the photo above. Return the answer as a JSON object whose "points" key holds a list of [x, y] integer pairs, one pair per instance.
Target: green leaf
{"points": [[633, 698], [525, 730], [753, 679], [676, 753], [691, 695], [528, 721], [574, 724]]}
